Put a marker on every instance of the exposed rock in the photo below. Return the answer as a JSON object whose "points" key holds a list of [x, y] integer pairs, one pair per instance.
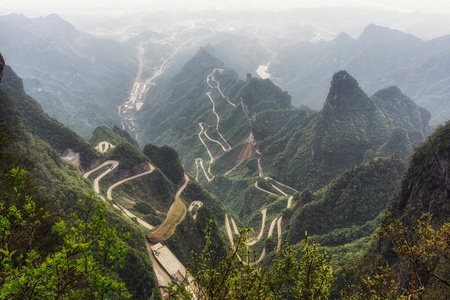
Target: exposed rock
{"points": [[2, 65]]}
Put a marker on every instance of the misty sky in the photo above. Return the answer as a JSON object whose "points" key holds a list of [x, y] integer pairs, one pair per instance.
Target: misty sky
{"points": [[34, 8]]}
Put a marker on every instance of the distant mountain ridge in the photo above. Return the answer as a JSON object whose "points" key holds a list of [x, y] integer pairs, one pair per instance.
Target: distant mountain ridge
{"points": [[379, 57], [76, 77]]}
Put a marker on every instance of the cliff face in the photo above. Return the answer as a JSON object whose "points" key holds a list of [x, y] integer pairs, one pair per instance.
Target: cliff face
{"points": [[426, 185], [2, 65]]}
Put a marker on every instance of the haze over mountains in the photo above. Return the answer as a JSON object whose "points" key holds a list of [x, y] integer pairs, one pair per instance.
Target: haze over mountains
{"points": [[289, 121]]}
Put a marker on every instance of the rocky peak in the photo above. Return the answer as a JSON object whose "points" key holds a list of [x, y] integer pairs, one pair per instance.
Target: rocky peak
{"points": [[345, 93]]}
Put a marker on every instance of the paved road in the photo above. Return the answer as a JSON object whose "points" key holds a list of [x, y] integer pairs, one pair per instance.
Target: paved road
{"points": [[218, 120], [261, 232], [272, 225], [289, 204], [229, 232], [114, 164], [195, 203], [104, 146], [236, 231], [263, 190], [109, 192], [279, 233]]}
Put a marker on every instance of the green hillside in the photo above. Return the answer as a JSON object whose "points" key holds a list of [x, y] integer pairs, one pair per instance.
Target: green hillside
{"points": [[57, 186]]}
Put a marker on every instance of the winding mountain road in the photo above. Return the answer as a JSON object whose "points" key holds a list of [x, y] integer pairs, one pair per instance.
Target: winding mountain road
{"points": [[109, 192], [218, 120], [279, 232], [114, 164], [261, 232], [104, 146], [263, 190]]}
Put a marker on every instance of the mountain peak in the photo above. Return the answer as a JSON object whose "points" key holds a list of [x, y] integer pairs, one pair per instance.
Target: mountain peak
{"points": [[343, 38], [378, 34], [345, 93]]}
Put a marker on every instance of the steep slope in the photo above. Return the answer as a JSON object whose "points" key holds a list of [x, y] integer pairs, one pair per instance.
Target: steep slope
{"points": [[136, 193], [57, 181], [348, 210], [112, 134], [424, 189], [49, 129], [349, 125], [231, 134]]}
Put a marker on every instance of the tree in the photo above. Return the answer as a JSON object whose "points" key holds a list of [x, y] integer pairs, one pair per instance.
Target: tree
{"points": [[234, 277], [424, 253], [421, 272], [77, 268]]}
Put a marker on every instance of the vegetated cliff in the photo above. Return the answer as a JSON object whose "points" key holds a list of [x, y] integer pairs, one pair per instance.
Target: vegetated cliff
{"points": [[37, 121], [338, 137], [59, 184], [424, 189], [426, 184], [348, 210], [225, 129], [147, 196]]}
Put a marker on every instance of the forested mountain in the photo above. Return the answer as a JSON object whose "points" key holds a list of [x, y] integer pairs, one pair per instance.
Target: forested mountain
{"points": [[53, 156], [379, 57], [229, 127], [216, 153], [76, 77], [411, 251]]}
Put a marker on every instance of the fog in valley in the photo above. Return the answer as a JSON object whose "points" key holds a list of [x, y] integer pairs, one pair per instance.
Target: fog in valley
{"points": [[263, 38]]}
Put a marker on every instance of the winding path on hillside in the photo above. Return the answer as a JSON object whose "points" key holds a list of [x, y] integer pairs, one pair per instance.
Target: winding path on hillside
{"points": [[218, 86], [279, 232], [263, 190], [194, 204], [277, 221], [218, 120], [110, 189], [114, 164], [261, 232], [104, 147], [225, 145]]}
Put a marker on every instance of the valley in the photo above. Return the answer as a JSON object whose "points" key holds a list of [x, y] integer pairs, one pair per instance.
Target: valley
{"points": [[230, 129], [141, 86], [163, 266]]}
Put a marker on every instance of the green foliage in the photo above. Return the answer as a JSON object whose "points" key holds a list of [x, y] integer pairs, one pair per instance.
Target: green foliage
{"points": [[357, 196], [112, 134], [56, 186], [75, 269], [424, 252], [166, 159], [286, 277], [422, 270], [129, 156], [40, 124]]}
